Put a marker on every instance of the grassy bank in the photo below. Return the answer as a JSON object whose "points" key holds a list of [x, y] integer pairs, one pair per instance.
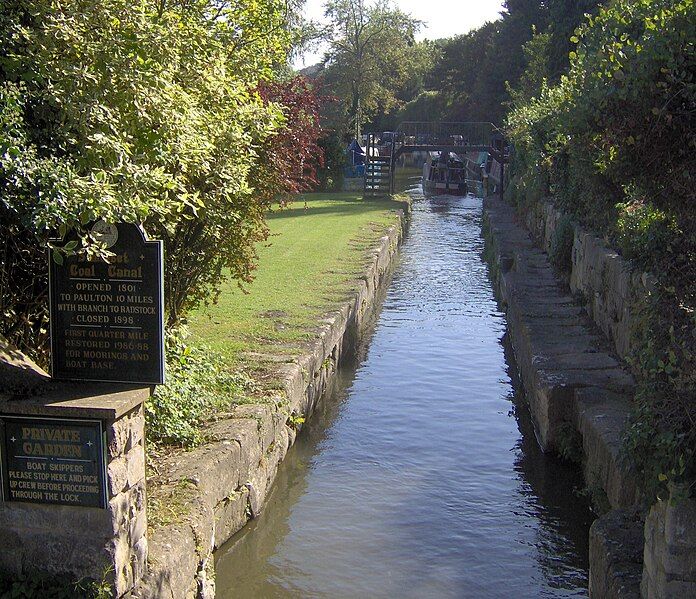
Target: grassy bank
{"points": [[317, 249]]}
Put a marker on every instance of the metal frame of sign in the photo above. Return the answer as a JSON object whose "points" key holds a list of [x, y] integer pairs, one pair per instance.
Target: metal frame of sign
{"points": [[3, 458], [160, 276]]}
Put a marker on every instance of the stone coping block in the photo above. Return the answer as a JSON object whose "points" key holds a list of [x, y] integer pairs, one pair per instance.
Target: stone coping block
{"points": [[616, 560], [670, 550], [600, 417], [98, 401], [28, 390]]}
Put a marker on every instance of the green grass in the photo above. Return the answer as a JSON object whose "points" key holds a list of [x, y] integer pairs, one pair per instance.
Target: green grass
{"points": [[316, 252]]}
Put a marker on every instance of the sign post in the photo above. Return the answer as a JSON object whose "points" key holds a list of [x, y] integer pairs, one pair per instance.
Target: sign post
{"points": [[72, 456], [107, 318]]}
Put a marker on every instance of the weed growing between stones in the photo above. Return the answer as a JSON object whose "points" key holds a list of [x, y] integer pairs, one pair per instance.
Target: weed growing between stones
{"points": [[661, 437], [569, 443], [295, 421], [198, 386], [561, 252], [593, 489]]}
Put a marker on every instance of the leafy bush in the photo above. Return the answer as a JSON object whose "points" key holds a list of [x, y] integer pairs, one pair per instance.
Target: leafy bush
{"points": [[561, 252], [618, 130], [644, 232], [139, 111], [197, 387], [615, 140]]}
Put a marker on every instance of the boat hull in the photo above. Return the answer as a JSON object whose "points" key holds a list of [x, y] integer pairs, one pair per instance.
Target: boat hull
{"points": [[434, 188], [443, 180]]}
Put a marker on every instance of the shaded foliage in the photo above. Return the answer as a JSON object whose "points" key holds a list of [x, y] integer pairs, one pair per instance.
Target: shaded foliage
{"points": [[330, 174], [197, 388], [372, 55], [289, 164], [614, 142]]}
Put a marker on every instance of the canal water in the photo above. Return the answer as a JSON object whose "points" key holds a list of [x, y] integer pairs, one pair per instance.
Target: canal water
{"points": [[420, 476]]}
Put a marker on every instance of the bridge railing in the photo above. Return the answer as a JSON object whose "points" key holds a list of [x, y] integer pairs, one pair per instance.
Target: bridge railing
{"points": [[440, 132]]}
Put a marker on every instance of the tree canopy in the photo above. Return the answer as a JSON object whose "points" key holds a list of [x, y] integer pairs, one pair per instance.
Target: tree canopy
{"points": [[144, 111], [384, 76], [371, 56]]}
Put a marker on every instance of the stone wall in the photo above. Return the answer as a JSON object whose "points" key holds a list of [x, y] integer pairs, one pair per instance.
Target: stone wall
{"points": [[69, 541], [127, 504], [224, 483], [666, 563], [610, 289], [669, 558], [576, 389], [616, 555]]}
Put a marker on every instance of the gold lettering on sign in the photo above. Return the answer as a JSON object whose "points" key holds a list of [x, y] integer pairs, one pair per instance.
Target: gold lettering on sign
{"points": [[53, 462]]}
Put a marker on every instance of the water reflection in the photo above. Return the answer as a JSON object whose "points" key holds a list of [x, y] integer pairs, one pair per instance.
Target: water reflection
{"points": [[420, 476]]}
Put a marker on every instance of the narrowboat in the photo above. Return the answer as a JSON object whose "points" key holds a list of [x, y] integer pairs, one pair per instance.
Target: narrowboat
{"points": [[444, 173]]}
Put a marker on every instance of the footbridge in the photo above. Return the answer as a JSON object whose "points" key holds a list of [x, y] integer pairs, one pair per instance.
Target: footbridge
{"points": [[411, 137]]}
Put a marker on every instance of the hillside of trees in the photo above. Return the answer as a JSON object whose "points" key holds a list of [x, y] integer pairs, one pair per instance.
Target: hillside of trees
{"points": [[374, 60]]}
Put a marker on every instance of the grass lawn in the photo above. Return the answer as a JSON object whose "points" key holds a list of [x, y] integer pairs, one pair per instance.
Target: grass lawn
{"points": [[311, 262]]}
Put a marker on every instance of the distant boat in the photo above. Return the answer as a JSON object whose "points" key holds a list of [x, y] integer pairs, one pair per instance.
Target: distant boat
{"points": [[444, 174]]}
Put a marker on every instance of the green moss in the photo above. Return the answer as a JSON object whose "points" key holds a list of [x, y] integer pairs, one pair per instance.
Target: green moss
{"points": [[561, 251], [170, 506]]}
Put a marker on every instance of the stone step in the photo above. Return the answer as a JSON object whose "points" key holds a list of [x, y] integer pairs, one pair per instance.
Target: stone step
{"points": [[600, 416]]}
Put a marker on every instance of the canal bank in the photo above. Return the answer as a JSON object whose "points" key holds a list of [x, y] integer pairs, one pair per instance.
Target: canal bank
{"points": [[422, 476], [581, 394], [213, 490]]}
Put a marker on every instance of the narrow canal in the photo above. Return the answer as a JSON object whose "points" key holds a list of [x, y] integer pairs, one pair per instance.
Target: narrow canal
{"points": [[420, 475]]}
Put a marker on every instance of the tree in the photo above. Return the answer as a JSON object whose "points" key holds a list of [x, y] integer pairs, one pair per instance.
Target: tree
{"points": [[564, 17], [137, 110], [368, 55], [456, 72], [290, 161], [470, 73]]}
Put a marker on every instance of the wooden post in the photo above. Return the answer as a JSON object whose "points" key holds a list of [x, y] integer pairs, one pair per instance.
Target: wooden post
{"points": [[392, 165]]}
